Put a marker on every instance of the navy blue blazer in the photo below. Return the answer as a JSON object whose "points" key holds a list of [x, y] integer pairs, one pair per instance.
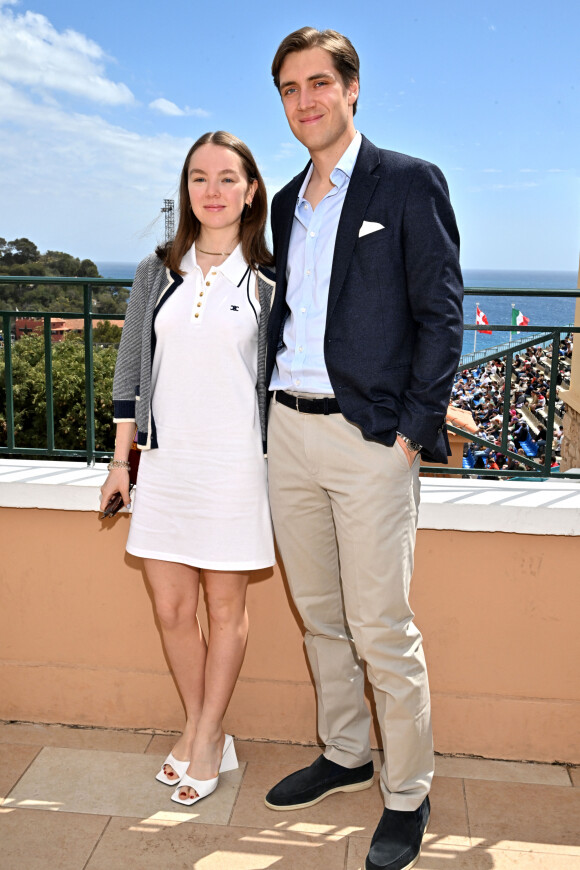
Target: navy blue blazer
{"points": [[394, 322]]}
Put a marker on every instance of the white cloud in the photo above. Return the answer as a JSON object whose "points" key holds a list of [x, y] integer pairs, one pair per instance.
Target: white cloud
{"points": [[76, 182], [286, 150], [518, 185], [71, 180], [528, 170], [34, 54], [79, 143], [491, 170], [166, 107]]}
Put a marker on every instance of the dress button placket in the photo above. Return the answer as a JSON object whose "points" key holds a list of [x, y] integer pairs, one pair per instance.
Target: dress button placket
{"points": [[197, 315]]}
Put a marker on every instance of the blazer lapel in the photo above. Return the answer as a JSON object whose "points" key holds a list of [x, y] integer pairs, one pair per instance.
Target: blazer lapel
{"points": [[286, 209], [360, 190]]}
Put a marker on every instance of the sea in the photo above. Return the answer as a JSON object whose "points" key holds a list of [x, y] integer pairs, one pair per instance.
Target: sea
{"points": [[541, 311]]}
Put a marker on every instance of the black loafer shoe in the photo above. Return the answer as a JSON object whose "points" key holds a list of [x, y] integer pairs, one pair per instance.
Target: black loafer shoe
{"points": [[312, 784], [396, 843]]}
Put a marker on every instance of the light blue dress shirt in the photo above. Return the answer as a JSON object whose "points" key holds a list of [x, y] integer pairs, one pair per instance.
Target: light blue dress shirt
{"points": [[300, 364]]}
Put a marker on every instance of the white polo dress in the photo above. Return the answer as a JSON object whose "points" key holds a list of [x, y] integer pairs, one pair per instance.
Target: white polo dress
{"points": [[201, 497]]}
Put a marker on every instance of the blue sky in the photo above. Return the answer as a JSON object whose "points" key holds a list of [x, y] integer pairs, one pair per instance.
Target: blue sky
{"points": [[100, 102]]}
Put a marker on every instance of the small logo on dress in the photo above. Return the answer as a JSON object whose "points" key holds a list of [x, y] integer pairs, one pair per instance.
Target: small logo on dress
{"points": [[234, 307]]}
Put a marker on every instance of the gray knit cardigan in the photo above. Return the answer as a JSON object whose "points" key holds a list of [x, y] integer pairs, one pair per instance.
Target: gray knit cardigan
{"points": [[152, 286]]}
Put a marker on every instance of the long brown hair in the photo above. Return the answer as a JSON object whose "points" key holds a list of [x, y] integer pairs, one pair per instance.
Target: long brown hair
{"points": [[340, 48], [253, 221]]}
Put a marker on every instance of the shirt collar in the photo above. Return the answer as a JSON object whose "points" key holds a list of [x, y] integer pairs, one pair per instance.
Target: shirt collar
{"points": [[342, 171], [234, 268], [348, 159]]}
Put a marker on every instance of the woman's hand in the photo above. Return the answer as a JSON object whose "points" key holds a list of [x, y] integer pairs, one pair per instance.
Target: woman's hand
{"points": [[117, 481], [118, 478]]}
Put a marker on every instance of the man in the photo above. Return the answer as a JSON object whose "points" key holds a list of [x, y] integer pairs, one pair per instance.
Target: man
{"points": [[364, 337]]}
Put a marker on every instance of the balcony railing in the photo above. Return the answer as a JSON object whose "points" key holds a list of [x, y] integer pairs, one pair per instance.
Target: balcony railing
{"points": [[50, 451], [538, 335]]}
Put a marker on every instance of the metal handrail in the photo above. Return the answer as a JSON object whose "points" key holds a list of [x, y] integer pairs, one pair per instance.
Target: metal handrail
{"points": [[537, 335], [87, 315]]}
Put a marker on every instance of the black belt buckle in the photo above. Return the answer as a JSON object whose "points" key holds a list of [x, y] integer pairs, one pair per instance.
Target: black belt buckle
{"points": [[325, 405]]}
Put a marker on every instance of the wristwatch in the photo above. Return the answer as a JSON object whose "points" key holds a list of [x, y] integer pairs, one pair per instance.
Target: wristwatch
{"points": [[413, 446]]}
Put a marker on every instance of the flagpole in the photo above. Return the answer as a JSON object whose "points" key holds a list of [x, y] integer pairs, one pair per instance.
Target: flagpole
{"points": [[511, 333], [475, 330]]}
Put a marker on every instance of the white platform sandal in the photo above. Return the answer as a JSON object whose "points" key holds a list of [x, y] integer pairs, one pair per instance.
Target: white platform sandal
{"points": [[178, 766], [205, 787]]}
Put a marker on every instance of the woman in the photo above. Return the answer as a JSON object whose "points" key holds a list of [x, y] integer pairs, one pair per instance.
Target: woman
{"points": [[189, 376]]}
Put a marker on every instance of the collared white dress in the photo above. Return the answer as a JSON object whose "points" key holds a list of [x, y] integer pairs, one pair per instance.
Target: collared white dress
{"points": [[201, 497]]}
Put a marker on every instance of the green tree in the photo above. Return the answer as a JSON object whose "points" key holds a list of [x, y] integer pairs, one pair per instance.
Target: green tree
{"points": [[18, 251], [29, 390], [107, 333], [22, 258], [87, 269]]}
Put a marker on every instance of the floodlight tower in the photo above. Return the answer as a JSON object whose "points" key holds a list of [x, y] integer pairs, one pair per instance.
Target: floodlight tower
{"points": [[169, 211]]}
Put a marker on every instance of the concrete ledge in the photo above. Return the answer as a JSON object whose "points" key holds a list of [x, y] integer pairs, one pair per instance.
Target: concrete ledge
{"points": [[520, 507], [51, 485]]}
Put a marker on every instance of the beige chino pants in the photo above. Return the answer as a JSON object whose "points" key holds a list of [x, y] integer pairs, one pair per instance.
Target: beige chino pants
{"points": [[345, 516]]}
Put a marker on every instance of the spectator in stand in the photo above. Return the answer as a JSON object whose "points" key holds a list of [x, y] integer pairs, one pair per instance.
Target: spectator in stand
{"points": [[540, 439], [538, 400], [521, 431]]}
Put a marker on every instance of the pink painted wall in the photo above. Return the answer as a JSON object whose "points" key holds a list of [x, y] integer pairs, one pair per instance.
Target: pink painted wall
{"points": [[499, 615]]}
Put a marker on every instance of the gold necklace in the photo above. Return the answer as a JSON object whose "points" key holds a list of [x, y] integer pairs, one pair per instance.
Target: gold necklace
{"points": [[213, 253]]}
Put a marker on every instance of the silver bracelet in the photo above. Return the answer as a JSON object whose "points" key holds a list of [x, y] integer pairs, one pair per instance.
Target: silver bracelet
{"points": [[118, 463]]}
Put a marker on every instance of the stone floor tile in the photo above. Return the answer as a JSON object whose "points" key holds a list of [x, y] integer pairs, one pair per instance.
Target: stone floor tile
{"points": [[115, 784], [34, 840], [444, 856], [355, 814], [14, 759], [448, 822], [501, 771], [539, 818], [277, 753], [575, 776], [506, 860], [161, 744], [262, 752], [74, 738], [163, 844]]}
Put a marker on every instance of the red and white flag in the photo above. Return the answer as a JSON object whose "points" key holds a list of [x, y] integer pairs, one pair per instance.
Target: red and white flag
{"points": [[481, 320]]}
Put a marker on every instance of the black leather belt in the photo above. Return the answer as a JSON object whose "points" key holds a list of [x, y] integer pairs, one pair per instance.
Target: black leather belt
{"points": [[327, 405]]}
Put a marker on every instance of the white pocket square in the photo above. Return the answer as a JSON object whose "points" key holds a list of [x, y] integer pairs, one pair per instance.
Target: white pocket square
{"points": [[369, 227]]}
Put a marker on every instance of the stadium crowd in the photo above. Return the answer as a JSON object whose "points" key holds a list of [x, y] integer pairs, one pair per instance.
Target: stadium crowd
{"points": [[481, 390]]}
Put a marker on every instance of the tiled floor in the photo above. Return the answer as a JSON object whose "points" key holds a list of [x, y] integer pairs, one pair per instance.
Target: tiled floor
{"points": [[83, 799]]}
